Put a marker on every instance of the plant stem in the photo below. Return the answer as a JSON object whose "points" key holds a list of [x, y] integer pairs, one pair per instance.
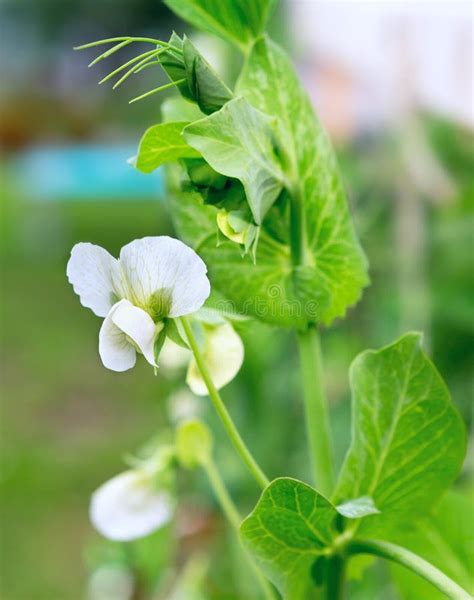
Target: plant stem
{"points": [[316, 410], [413, 562], [230, 511], [317, 417], [222, 411], [222, 495], [335, 585], [297, 231]]}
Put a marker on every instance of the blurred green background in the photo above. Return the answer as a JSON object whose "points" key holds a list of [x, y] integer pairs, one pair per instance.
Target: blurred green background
{"points": [[66, 422]]}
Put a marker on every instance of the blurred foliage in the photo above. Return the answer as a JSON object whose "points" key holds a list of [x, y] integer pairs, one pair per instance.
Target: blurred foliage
{"points": [[66, 422]]}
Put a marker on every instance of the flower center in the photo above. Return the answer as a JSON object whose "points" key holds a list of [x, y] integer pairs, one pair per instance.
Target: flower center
{"points": [[159, 304]]}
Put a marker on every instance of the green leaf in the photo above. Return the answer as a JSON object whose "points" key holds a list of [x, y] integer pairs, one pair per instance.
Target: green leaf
{"points": [[269, 82], [408, 440], [289, 529], [275, 290], [207, 88], [176, 108], [237, 21], [163, 143], [357, 508], [237, 142], [445, 540], [270, 290]]}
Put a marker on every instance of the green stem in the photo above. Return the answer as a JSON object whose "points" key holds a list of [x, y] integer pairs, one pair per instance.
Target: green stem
{"points": [[222, 411], [317, 417], [316, 410], [230, 511], [413, 562], [222, 495], [335, 585], [297, 237]]}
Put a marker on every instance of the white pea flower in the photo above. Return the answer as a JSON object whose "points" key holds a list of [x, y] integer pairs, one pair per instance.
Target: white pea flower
{"points": [[222, 351], [154, 278], [130, 505]]}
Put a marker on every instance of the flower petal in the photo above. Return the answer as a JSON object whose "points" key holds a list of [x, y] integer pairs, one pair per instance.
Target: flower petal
{"points": [[138, 326], [174, 357], [95, 276], [116, 351], [223, 354], [163, 265], [128, 507]]}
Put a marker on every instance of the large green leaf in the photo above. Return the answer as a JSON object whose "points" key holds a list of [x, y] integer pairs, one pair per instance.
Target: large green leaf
{"points": [[287, 532], [445, 540], [238, 21], [237, 141], [270, 290], [269, 82], [408, 440], [163, 143]]}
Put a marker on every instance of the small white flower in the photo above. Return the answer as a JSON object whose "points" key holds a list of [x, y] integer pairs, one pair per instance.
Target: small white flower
{"points": [[222, 351], [130, 506], [223, 354], [153, 279]]}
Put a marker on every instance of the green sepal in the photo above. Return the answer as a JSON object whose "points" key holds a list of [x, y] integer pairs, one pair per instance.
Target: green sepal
{"points": [[160, 340], [176, 333]]}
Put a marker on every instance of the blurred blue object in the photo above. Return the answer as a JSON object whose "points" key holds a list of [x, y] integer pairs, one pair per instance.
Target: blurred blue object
{"points": [[83, 172]]}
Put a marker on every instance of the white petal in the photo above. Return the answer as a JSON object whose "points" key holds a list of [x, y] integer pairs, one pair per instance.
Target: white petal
{"points": [[163, 264], [223, 353], [95, 276], [128, 507], [115, 350], [173, 356], [138, 326]]}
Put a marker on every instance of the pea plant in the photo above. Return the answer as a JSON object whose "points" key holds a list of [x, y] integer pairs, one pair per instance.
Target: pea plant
{"points": [[256, 196]]}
